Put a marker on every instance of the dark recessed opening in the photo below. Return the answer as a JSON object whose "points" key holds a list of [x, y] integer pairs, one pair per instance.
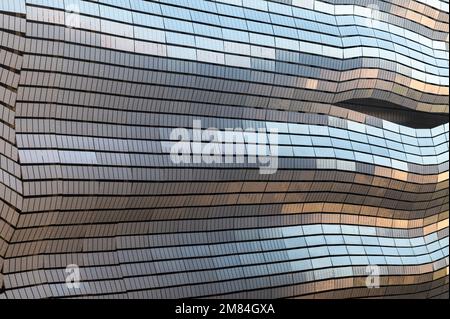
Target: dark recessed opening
{"points": [[395, 113]]}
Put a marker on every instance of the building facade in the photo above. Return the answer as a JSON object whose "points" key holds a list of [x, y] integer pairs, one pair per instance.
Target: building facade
{"points": [[101, 196]]}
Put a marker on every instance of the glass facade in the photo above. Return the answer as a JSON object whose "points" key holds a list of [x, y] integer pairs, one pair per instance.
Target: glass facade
{"points": [[91, 92]]}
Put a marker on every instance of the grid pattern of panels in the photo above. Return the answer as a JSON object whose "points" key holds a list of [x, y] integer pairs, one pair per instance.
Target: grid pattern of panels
{"points": [[322, 56], [91, 92]]}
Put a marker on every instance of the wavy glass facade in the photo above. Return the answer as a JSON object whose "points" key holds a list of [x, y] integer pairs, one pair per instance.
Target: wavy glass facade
{"points": [[90, 92]]}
